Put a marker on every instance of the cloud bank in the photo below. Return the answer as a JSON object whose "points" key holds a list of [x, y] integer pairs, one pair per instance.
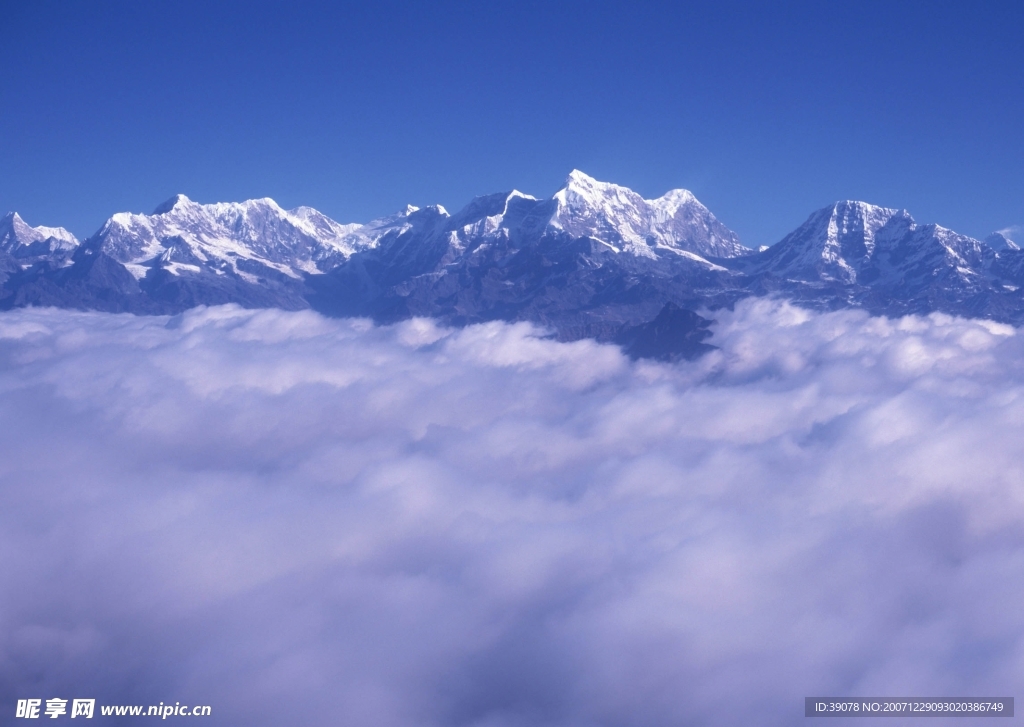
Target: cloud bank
{"points": [[299, 520]]}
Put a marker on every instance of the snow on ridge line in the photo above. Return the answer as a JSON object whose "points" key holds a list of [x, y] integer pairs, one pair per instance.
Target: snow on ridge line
{"points": [[14, 231], [215, 237]]}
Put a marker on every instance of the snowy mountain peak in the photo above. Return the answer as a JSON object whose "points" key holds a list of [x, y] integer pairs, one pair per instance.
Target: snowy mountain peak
{"points": [[1000, 241], [857, 206], [855, 243], [490, 207], [396, 218], [854, 210], [675, 197], [12, 224], [264, 202], [177, 201], [675, 223], [18, 238], [582, 190], [853, 224], [581, 179], [252, 239], [833, 244]]}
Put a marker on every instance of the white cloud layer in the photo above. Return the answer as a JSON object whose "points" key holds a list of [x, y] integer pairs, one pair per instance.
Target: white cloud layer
{"points": [[299, 520]]}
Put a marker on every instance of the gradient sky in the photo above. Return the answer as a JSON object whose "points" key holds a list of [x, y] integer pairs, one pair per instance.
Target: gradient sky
{"points": [[766, 111]]}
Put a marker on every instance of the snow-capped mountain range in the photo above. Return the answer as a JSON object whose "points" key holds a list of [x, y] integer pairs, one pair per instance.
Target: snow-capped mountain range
{"points": [[595, 259], [182, 236]]}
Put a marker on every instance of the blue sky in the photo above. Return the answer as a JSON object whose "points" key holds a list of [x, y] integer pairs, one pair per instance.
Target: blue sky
{"points": [[766, 111]]}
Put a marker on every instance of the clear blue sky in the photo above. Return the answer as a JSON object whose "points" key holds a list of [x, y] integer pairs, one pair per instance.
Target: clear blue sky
{"points": [[766, 111]]}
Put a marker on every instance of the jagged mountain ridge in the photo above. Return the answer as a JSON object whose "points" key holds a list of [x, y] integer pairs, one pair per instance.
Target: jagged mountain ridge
{"points": [[26, 244], [999, 241], [183, 236], [855, 243], [675, 222], [184, 254], [595, 259], [856, 254], [589, 260]]}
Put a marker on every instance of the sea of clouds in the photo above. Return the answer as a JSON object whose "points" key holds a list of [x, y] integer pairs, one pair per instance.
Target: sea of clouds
{"points": [[299, 520]]}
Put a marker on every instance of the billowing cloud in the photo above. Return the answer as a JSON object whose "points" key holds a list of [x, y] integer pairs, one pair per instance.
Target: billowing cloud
{"points": [[299, 520]]}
